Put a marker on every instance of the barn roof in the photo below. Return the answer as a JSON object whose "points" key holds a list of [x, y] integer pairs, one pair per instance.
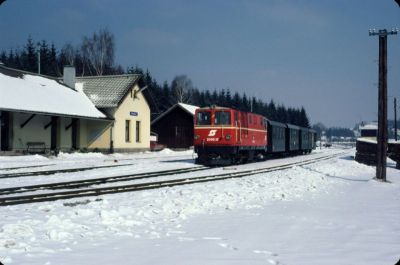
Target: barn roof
{"points": [[190, 109], [107, 91], [27, 92]]}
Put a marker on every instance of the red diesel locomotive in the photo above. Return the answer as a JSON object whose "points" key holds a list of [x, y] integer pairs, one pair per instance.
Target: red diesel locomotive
{"points": [[224, 136]]}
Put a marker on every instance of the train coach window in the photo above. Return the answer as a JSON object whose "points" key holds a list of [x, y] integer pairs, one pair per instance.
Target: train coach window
{"points": [[222, 118], [203, 118]]}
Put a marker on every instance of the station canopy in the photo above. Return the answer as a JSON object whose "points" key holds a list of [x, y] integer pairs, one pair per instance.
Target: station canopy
{"points": [[24, 92]]}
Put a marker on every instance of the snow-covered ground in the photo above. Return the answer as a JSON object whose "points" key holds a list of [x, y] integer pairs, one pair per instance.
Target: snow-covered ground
{"points": [[331, 212]]}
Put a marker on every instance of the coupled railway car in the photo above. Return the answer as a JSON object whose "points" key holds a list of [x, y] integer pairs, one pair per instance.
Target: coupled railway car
{"points": [[276, 137], [225, 136]]}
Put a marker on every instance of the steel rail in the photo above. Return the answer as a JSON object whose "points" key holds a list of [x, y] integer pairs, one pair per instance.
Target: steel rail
{"points": [[64, 170], [96, 181], [33, 166], [4, 201], [54, 171]]}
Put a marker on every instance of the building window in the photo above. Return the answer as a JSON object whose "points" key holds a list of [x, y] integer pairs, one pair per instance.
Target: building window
{"points": [[138, 131], [127, 130]]}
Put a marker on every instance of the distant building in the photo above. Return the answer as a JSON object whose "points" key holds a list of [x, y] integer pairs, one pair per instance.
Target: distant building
{"points": [[369, 130], [174, 127]]}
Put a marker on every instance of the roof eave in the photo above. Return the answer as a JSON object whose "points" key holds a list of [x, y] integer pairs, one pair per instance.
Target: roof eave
{"points": [[58, 114]]}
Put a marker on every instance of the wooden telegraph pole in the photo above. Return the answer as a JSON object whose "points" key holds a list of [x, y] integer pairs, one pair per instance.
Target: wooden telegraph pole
{"points": [[395, 118], [382, 103]]}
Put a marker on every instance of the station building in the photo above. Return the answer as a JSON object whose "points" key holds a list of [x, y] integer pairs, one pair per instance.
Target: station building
{"points": [[73, 113], [120, 97]]}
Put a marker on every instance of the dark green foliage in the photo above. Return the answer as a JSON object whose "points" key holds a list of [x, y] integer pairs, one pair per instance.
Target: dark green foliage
{"points": [[29, 57], [160, 97], [52, 61], [163, 97], [339, 132]]}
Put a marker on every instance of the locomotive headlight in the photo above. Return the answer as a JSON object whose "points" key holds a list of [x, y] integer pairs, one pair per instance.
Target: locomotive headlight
{"points": [[228, 137], [196, 136]]}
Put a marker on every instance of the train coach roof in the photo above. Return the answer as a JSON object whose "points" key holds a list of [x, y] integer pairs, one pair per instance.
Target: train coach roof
{"points": [[307, 129], [275, 123], [291, 126], [214, 107]]}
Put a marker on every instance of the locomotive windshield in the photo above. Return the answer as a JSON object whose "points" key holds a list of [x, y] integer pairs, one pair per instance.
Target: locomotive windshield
{"points": [[222, 118], [203, 118]]}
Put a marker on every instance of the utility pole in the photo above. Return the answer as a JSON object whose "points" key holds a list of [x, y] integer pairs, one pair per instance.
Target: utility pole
{"points": [[38, 54], [395, 118], [382, 102]]}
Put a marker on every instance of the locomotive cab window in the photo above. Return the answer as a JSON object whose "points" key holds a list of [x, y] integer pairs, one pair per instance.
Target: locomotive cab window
{"points": [[222, 118], [203, 118]]}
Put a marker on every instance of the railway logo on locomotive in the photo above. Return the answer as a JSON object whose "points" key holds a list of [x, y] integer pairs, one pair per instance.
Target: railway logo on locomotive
{"points": [[212, 132]]}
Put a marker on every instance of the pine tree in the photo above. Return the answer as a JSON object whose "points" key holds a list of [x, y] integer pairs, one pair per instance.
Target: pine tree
{"points": [[222, 98], [207, 98], [245, 105], [44, 58], [166, 96], [228, 99], [214, 97], [236, 101], [271, 111], [303, 118], [29, 57], [53, 65], [3, 57]]}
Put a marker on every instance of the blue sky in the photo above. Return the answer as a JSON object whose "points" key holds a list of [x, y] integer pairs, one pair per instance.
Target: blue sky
{"points": [[314, 53]]}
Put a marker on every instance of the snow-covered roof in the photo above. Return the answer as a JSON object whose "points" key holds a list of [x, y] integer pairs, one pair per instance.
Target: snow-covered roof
{"points": [[369, 127], [367, 140], [186, 107], [189, 108], [24, 92]]}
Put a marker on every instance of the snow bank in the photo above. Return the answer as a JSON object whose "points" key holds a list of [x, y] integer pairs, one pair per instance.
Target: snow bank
{"points": [[72, 226]]}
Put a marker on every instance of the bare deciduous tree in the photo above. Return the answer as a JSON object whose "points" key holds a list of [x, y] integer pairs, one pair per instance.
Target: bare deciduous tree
{"points": [[98, 51], [69, 52], [182, 86]]}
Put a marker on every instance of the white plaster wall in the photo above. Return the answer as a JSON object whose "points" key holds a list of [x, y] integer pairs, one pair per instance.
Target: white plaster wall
{"points": [[32, 132], [65, 136], [128, 105]]}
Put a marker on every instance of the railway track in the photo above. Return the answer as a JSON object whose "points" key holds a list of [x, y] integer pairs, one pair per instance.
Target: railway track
{"points": [[24, 199], [54, 171], [24, 167], [97, 181], [65, 170]]}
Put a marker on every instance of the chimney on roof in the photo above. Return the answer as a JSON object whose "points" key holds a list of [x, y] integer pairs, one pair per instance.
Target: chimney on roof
{"points": [[69, 76]]}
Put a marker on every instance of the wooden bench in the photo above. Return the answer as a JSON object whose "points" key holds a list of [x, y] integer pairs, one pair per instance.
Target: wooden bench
{"points": [[35, 147]]}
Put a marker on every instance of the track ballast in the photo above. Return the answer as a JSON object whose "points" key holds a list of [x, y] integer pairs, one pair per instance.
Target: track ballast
{"points": [[76, 193]]}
